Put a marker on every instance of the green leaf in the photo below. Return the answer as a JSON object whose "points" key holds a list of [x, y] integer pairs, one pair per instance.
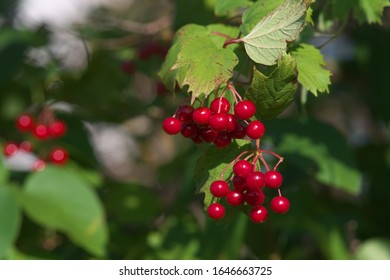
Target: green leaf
{"points": [[371, 10], [10, 220], [312, 73], [374, 249], [212, 163], [267, 41], [256, 12], [60, 199], [3, 171], [274, 93], [198, 61], [318, 149], [230, 31], [230, 7]]}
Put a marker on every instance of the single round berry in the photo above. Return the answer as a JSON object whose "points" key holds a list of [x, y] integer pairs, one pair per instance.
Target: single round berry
{"points": [[280, 204], [59, 156], [273, 179], [57, 129], [208, 134], [239, 183], [10, 148], [219, 121], [26, 146], [255, 180], [128, 67], [41, 131], [25, 122], [216, 211], [220, 105], [189, 130], [239, 132], [258, 214], [245, 109], [242, 168], [172, 125], [219, 188], [184, 113], [254, 198], [196, 139], [232, 123], [148, 50], [201, 115], [255, 130], [234, 198], [160, 88], [39, 165], [222, 140]]}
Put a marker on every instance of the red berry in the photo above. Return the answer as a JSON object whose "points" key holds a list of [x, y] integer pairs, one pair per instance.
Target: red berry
{"points": [[219, 121], [255, 180], [160, 88], [39, 165], [128, 67], [254, 198], [255, 130], [280, 204], [25, 146], [189, 130], [273, 179], [219, 188], [220, 105], [25, 122], [239, 183], [239, 132], [245, 109], [59, 156], [207, 134], [196, 139], [258, 214], [57, 129], [184, 113], [216, 211], [10, 148], [148, 50], [201, 115], [171, 125], [232, 123], [242, 168], [41, 131], [234, 198], [222, 140]]}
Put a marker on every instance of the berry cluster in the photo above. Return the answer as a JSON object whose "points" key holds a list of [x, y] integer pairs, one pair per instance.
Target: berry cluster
{"points": [[247, 186], [219, 124], [216, 124], [45, 128]]}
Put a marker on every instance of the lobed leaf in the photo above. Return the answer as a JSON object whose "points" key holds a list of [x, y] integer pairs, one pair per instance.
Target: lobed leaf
{"points": [[230, 7], [274, 93], [60, 199], [267, 41], [312, 73]]}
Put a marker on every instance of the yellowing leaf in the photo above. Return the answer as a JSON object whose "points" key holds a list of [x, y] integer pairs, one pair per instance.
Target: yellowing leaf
{"points": [[267, 41]]}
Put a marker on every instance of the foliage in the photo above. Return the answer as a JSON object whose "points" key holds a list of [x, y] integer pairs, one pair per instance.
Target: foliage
{"points": [[335, 174]]}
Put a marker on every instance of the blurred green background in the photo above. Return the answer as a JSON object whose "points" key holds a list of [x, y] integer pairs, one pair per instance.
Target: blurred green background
{"points": [[128, 191]]}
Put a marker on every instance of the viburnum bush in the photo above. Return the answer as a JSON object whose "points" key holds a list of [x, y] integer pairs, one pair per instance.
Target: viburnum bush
{"points": [[238, 75]]}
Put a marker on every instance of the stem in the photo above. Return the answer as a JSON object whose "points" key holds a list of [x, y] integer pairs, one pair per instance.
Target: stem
{"points": [[303, 101], [264, 162], [232, 41], [279, 192], [337, 34]]}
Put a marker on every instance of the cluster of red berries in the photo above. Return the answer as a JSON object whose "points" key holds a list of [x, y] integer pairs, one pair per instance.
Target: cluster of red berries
{"points": [[215, 124], [247, 185], [49, 129]]}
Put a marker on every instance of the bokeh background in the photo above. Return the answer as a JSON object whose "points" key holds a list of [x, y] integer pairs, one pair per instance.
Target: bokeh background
{"points": [[128, 190]]}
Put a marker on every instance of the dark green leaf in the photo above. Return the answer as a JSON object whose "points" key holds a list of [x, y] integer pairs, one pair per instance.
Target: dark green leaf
{"points": [[273, 94], [319, 149], [10, 220], [60, 199], [230, 7]]}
